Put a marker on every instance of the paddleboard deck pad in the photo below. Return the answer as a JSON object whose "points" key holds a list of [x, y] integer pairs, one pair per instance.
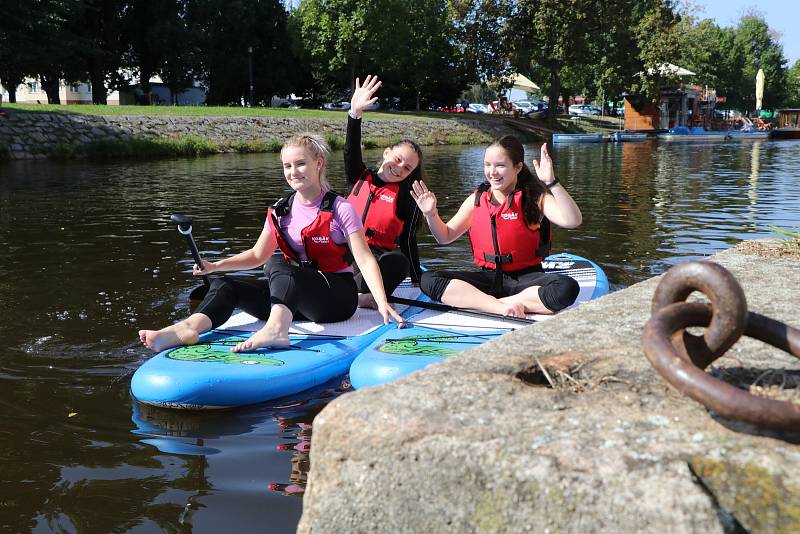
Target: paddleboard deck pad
{"points": [[208, 375], [434, 336]]}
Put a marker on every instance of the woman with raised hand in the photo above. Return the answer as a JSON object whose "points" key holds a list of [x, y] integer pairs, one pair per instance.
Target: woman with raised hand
{"points": [[382, 197], [319, 235], [508, 218]]}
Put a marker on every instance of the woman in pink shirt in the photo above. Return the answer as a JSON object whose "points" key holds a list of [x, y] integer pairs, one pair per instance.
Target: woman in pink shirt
{"points": [[319, 235]]}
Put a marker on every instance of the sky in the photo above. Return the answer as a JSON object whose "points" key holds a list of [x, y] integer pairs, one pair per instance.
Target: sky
{"points": [[782, 16]]}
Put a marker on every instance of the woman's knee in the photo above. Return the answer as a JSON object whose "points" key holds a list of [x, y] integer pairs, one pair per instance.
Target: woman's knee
{"points": [[559, 293], [434, 283]]}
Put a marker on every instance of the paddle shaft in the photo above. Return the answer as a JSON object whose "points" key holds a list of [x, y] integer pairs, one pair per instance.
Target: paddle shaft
{"points": [[464, 311], [185, 228]]}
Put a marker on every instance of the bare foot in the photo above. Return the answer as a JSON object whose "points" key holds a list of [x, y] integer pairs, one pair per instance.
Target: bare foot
{"points": [[171, 336], [265, 337], [366, 300]]}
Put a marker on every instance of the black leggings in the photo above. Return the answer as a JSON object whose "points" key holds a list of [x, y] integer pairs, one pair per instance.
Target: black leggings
{"points": [[556, 291], [394, 268], [313, 295]]}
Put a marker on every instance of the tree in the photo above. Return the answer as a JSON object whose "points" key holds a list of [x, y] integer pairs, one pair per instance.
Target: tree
{"points": [[55, 42], [760, 50], [225, 31], [15, 46], [481, 35], [793, 85], [657, 42], [98, 26], [341, 38], [425, 62], [411, 44], [549, 35]]}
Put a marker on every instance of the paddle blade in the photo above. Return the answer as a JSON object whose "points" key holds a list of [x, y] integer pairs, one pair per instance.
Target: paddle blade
{"points": [[199, 293]]}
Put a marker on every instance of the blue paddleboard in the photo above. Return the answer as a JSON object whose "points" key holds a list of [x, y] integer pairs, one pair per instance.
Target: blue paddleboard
{"points": [[434, 335], [209, 376]]}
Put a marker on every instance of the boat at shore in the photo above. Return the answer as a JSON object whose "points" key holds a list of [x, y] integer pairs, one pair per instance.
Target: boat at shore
{"points": [[683, 134], [626, 136], [749, 134], [788, 124], [579, 138]]}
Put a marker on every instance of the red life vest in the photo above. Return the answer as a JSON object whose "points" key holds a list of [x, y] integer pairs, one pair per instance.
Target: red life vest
{"points": [[322, 253], [499, 235], [378, 209]]}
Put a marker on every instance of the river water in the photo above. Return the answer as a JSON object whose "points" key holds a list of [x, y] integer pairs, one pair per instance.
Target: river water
{"points": [[88, 257]]}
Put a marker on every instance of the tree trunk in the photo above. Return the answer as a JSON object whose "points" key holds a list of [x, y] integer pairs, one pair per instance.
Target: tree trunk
{"points": [[553, 93], [50, 86], [11, 85], [145, 73], [418, 95], [99, 91]]}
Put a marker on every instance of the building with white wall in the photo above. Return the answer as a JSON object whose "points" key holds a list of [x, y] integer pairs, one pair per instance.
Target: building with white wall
{"points": [[30, 92]]}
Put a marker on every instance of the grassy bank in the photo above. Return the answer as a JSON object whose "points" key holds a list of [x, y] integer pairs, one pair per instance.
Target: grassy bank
{"points": [[142, 147], [202, 111], [147, 146], [588, 124]]}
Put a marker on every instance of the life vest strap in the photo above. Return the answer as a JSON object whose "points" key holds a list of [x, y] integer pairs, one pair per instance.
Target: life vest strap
{"points": [[498, 259]]}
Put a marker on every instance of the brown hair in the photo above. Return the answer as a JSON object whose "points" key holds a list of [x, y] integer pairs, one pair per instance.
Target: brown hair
{"points": [[532, 188]]}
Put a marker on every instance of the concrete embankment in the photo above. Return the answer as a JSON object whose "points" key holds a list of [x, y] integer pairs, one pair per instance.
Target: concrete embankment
{"points": [[482, 443], [27, 135]]}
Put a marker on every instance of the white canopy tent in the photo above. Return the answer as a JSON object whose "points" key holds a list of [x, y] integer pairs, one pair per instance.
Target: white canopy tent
{"points": [[668, 69]]}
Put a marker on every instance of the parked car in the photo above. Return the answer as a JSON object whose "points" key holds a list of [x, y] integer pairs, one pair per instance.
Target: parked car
{"points": [[478, 108], [336, 106], [371, 107], [537, 110], [523, 106], [455, 108], [583, 109]]}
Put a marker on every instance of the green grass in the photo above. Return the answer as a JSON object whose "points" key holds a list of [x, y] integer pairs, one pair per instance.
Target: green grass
{"points": [[207, 111], [588, 124], [795, 235]]}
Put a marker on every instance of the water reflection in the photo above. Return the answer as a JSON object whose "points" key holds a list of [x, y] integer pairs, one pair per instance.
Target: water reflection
{"points": [[90, 257]]}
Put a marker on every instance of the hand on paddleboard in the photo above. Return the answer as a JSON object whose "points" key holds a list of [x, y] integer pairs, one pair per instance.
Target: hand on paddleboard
{"points": [[207, 268], [389, 314]]}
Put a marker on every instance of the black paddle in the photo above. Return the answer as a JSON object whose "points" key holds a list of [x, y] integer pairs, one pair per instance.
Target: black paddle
{"points": [[185, 227], [464, 311]]}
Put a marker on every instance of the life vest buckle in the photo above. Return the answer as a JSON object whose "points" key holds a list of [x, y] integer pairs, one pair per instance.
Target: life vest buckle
{"points": [[497, 259]]}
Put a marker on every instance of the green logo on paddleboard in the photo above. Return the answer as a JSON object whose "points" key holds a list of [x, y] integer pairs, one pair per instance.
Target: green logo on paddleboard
{"points": [[219, 352], [414, 346]]}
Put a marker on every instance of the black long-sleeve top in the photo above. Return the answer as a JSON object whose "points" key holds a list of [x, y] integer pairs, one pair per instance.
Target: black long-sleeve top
{"points": [[407, 209]]}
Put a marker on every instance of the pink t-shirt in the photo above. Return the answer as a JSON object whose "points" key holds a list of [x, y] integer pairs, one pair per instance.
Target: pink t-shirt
{"points": [[345, 222]]}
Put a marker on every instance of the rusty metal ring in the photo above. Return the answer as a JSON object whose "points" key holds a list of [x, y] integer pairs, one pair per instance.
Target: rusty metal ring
{"points": [[728, 305], [680, 364]]}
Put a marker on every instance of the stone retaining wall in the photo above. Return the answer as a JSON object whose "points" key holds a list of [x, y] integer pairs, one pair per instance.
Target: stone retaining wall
{"points": [[26, 135], [480, 443]]}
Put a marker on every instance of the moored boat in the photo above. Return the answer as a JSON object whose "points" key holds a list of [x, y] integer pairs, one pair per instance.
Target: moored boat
{"points": [[579, 138], [788, 124], [749, 134], [681, 133], [624, 136]]}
